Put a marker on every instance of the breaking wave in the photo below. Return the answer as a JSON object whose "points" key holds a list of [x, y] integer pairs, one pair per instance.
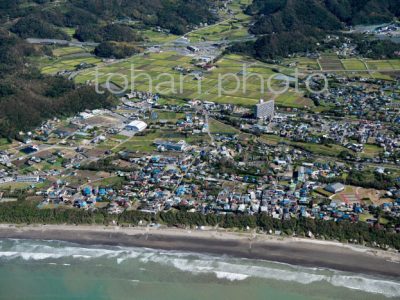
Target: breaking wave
{"points": [[223, 268]]}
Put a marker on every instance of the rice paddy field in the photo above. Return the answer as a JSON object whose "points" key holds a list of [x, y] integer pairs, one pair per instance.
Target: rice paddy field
{"points": [[235, 80], [158, 37], [331, 62], [358, 64], [354, 64], [65, 59], [388, 65], [54, 65]]}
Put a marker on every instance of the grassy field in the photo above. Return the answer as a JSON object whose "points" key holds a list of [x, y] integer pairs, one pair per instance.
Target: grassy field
{"points": [[152, 36], [382, 76], [272, 139], [217, 127], [169, 116], [291, 99], [371, 151], [353, 64], [108, 182], [21, 185], [365, 216], [146, 143], [4, 144], [331, 150], [69, 31], [63, 51], [384, 65], [171, 101], [302, 63], [325, 150]]}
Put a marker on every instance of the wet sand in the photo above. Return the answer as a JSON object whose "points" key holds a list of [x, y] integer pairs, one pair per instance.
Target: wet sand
{"points": [[308, 253]]}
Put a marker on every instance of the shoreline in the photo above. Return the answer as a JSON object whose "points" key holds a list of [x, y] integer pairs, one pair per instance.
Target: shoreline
{"points": [[294, 251]]}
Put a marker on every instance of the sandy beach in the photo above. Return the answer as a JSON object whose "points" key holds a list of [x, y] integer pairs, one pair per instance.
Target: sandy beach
{"points": [[303, 252]]}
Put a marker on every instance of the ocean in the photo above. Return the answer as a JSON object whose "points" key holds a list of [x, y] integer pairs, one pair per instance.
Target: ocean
{"points": [[60, 270]]}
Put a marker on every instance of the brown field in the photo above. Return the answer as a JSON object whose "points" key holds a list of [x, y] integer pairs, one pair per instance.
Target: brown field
{"points": [[360, 195], [331, 62]]}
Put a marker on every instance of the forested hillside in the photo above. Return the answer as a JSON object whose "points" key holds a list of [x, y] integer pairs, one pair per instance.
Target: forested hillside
{"points": [[285, 15], [289, 26], [44, 18], [27, 97]]}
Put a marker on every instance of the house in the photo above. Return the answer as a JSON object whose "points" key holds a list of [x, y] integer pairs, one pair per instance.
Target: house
{"points": [[193, 49], [179, 146], [335, 188]]}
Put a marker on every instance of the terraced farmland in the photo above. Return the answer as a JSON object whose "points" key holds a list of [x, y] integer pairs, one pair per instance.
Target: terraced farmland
{"points": [[231, 29]]}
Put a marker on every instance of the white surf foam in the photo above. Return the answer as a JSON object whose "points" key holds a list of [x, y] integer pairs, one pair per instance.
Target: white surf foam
{"points": [[375, 286], [230, 276], [224, 268]]}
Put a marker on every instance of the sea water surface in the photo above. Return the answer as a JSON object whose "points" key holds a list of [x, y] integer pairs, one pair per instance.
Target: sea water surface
{"points": [[59, 270]]}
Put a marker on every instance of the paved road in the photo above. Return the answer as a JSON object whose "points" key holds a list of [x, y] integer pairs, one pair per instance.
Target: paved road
{"points": [[60, 42]]}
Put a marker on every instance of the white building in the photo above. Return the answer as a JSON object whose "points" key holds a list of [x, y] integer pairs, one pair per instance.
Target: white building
{"points": [[136, 126], [27, 179], [6, 179], [85, 115], [335, 188]]}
